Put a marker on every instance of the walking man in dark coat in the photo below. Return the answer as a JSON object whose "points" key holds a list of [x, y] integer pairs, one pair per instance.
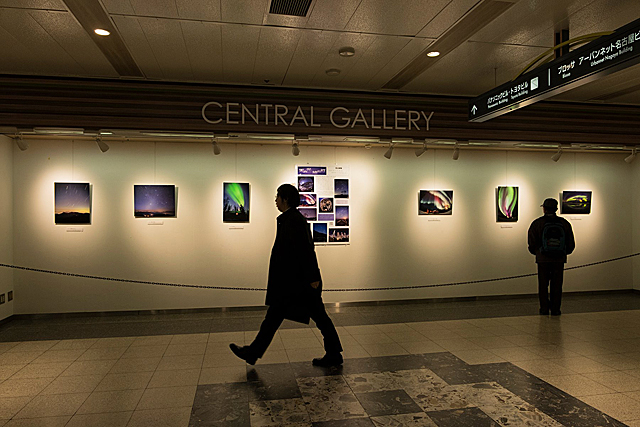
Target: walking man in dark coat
{"points": [[550, 240], [294, 287]]}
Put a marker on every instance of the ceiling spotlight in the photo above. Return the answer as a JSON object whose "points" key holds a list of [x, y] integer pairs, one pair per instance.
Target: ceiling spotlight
{"points": [[456, 153], [332, 72], [631, 157], [101, 32], [433, 54], [389, 151], [216, 147], [102, 145], [22, 144], [347, 51], [295, 150], [557, 156], [421, 151]]}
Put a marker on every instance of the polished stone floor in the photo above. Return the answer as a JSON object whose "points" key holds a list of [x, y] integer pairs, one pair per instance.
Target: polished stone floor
{"points": [[465, 363]]}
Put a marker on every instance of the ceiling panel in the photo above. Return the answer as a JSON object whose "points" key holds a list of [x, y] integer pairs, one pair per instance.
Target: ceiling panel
{"points": [[360, 42], [138, 46], [160, 8], [168, 46], [313, 47], [197, 9], [239, 46], [399, 61], [204, 47], [34, 4], [399, 17], [276, 47], [16, 58], [332, 14], [120, 7], [448, 16], [21, 24], [66, 31], [380, 52], [243, 11], [472, 69]]}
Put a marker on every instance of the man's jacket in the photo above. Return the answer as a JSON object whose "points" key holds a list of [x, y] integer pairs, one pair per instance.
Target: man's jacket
{"points": [[535, 238]]}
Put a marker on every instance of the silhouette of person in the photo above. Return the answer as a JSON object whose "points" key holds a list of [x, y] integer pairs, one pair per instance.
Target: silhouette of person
{"points": [[550, 239], [294, 286]]}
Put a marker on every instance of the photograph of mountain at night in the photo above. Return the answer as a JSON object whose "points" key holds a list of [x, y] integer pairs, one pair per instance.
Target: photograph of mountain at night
{"points": [[72, 203], [153, 201], [236, 202]]}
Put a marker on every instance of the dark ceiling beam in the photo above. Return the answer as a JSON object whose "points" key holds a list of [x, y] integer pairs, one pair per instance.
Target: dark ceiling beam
{"points": [[91, 16], [460, 32]]}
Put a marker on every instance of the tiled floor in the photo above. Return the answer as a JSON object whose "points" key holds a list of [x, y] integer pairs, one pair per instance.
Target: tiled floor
{"points": [[579, 369]]}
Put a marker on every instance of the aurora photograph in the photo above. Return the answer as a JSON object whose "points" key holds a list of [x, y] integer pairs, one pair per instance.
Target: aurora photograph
{"points": [[507, 204], [72, 203], [341, 188], [310, 213], [154, 201], [326, 204], [305, 184], [308, 199], [576, 202], [235, 202], [320, 232], [342, 216], [338, 235], [435, 202]]}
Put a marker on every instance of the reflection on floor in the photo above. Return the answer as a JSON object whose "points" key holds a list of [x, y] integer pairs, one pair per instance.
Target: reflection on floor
{"points": [[579, 369]]}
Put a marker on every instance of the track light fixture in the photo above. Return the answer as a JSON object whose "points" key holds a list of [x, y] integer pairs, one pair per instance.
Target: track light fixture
{"points": [[389, 152], [631, 157], [22, 144], [557, 156], [421, 151], [295, 150], [216, 147], [102, 145], [456, 153]]}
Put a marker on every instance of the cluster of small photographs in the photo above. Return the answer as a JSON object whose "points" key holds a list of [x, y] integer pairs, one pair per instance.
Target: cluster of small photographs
{"points": [[328, 213]]}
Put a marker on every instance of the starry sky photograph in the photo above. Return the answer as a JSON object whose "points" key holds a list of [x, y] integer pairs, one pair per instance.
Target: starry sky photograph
{"points": [[154, 201], [341, 188], [235, 202], [72, 203]]}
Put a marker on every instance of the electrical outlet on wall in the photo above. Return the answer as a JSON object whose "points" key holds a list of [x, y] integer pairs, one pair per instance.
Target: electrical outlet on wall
{"points": [[10, 295]]}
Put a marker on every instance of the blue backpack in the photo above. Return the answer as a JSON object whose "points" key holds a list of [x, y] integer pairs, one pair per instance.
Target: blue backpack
{"points": [[553, 239]]}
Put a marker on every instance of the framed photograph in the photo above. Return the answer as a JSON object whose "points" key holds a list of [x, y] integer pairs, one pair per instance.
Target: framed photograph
{"points": [[435, 202], [72, 202], [341, 188], [306, 184], [320, 232], [310, 213], [507, 199], [235, 202], [576, 202], [325, 204], [338, 235], [326, 217], [154, 201], [308, 200], [342, 216]]}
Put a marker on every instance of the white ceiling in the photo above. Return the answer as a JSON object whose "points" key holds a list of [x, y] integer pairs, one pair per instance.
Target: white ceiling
{"points": [[239, 42]]}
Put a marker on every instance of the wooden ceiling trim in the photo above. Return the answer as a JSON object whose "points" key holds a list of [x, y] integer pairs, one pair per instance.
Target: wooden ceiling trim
{"points": [[91, 16], [468, 25]]}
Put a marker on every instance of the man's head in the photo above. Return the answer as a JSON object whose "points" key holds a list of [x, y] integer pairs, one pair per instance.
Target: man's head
{"points": [[287, 197], [550, 205]]}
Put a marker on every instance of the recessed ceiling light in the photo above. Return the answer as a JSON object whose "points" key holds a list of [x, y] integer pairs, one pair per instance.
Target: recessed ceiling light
{"points": [[347, 51], [101, 32], [332, 72], [433, 54]]}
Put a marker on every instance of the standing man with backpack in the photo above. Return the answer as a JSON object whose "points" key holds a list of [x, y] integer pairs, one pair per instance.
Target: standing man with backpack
{"points": [[550, 239]]}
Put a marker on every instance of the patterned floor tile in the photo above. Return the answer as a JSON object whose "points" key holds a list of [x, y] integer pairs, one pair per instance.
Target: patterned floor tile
{"points": [[287, 412], [389, 402], [467, 417]]}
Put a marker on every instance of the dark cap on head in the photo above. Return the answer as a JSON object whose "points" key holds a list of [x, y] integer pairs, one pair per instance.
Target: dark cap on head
{"points": [[550, 204]]}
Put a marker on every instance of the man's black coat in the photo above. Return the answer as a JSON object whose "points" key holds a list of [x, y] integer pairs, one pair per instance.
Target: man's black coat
{"points": [[293, 267]]}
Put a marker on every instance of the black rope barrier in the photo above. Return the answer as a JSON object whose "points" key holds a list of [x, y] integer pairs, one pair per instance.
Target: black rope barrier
{"points": [[232, 288]]}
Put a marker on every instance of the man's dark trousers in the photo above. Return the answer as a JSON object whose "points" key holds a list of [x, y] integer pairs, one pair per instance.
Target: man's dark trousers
{"points": [[550, 286], [276, 314]]}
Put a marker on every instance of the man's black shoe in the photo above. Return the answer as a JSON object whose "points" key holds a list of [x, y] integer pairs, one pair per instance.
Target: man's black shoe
{"points": [[328, 360], [555, 313], [243, 353], [544, 312]]}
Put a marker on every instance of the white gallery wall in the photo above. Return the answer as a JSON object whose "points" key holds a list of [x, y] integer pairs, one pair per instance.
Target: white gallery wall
{"points": [[6, 222], [390, 244]]}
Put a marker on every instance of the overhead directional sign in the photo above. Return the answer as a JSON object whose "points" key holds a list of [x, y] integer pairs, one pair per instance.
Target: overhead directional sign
{"points": [[592, 61]]}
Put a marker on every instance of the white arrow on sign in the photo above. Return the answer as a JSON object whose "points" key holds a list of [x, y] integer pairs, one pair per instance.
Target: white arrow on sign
{"points": [[474, 109]]}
